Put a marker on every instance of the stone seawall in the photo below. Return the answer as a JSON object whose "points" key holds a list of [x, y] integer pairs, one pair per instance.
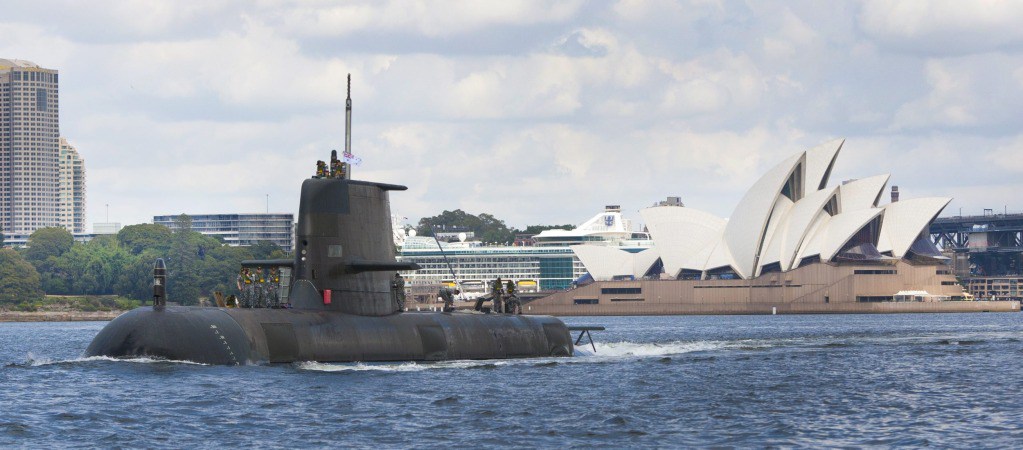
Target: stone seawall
{"points": [[58, 316]]}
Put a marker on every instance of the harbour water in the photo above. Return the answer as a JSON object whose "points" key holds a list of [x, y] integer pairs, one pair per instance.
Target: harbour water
{"points": [[857, 380]]}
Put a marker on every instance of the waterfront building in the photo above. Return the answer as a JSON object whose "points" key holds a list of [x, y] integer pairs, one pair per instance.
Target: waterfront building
{"points": [[793, 244], [72, 188], [29, 147], [241, 229]]}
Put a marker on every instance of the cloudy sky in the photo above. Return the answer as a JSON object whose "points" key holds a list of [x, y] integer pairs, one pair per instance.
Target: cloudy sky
{"points": [[536, 112]]}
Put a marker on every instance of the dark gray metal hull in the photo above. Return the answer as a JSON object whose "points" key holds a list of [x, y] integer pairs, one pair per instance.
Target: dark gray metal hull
{"points": [[245, 336]]}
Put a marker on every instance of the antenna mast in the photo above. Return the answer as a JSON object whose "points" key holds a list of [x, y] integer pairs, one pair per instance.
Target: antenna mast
{"points": [[348, 118]]}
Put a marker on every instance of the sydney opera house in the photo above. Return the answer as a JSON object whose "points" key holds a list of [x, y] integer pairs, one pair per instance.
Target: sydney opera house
{"points": [[795, 243]]}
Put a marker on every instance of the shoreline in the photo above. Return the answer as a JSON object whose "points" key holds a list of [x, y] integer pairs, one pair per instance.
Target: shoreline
{"points": [[58, 316]]}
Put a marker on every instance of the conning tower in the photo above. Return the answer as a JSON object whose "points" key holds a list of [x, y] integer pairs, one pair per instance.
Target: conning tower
{"points": [[344, 254]]}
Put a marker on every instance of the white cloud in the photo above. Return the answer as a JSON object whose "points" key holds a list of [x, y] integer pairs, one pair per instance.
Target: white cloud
{"points": [[968, 91], [536, 112], [428, 18], [944, 26]]}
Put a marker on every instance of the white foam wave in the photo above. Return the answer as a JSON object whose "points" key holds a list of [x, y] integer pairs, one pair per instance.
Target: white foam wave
{"points": [[34, 361], [648, 349], [605, 352], [410, 366]]}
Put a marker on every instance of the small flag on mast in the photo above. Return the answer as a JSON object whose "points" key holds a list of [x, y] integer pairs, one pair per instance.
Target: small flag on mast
{"points": [[350, 158]]}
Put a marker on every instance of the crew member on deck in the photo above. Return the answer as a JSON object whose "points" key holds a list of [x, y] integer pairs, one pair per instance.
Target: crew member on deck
{"points": [[398, 290], [498, 288], [448, 295], [321, 169], [245, 287], [260, 280], [273, 288]]}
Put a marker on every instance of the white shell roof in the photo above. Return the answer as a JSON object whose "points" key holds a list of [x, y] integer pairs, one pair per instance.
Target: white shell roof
{"points": [[836, 232], [604, 263], [642, 261], [790, 236], [682, 234], [905, 220], [863, 193], [745, 229], [779, 216], [719, 256], [819, 161]]}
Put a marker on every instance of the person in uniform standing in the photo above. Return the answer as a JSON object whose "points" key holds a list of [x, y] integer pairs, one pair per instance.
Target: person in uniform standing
{"points": [[498, 288], [273, 288], [398, 290], [245, 287], [260, 288], [512, 305]]}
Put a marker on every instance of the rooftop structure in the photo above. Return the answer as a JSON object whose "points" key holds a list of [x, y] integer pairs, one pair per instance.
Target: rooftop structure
{"points": [[241, 229]]}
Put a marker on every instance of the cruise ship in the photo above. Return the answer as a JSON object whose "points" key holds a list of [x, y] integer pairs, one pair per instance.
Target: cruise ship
{"points": [[547, 264]]}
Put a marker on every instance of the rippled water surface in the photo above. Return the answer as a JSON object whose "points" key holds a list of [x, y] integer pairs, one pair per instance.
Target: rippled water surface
{"points": [[879, 380]]}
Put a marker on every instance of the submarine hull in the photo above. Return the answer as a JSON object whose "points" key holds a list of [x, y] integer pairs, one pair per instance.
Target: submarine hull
{"points": [[233, 336]]}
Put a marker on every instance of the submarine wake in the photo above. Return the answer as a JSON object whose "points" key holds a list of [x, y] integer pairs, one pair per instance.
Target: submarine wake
{"points": [[32, 360]]}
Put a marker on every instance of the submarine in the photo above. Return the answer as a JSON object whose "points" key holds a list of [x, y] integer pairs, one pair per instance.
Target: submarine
{"points": [[337, 300]]}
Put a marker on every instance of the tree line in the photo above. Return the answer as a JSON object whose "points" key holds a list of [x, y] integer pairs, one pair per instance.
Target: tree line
{"points": [[122, 264], [486, 227]]}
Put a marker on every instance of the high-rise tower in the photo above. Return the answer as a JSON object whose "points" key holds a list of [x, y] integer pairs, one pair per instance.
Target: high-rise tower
{"points": [[72, 188], [29, 147]]}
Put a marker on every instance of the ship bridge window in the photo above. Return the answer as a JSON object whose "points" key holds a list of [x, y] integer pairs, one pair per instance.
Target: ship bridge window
{"points": [[334, 251]]}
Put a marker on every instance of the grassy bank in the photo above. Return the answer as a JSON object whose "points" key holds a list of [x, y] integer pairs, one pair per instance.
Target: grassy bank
{"points": [[75, 303]]}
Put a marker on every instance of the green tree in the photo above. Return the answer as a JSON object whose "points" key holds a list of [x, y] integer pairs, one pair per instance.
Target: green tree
{"points": [[537, 229], [182, 265], [220, 268], [46, 242], [136, 279], [486, 227], [19, 281], [267, 250], [1, 237], [137, 238]]}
